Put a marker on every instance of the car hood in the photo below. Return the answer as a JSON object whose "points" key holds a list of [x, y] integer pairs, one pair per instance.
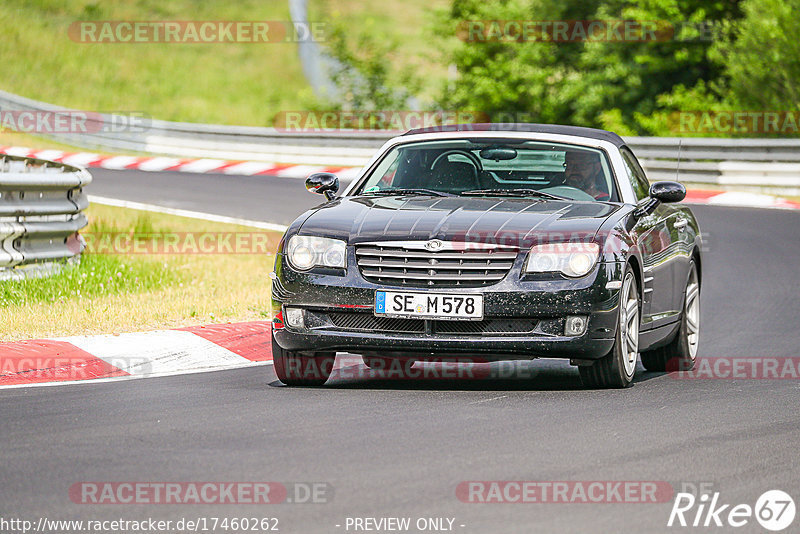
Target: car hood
{"points": [[494, 220]]}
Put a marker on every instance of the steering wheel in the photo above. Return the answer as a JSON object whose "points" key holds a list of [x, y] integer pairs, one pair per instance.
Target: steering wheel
{"points": [[469, 155]]}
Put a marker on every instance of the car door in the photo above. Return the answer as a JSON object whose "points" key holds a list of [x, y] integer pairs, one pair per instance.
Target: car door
{"points": [[657, 238]]}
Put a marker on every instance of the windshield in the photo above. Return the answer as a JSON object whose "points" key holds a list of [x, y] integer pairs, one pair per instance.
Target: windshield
{"points": [[495, 167]]}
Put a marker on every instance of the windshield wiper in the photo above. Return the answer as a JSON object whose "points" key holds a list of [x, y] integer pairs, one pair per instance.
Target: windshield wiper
{"points": [[519, 192], [406, 191]]}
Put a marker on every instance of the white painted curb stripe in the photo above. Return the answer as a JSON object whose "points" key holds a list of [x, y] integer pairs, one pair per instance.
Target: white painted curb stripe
{"points": [[300, 171], [18, 151], [158, 164], [202, 165], [80, 160], [186, 213], [50, 154], [158, 352], [117, 162], [248, 168], [733, 198], [161, 163]]}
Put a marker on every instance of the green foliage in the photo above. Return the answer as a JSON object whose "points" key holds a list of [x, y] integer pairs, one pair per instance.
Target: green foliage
{"points": [[717, 55], [96, 275], [525, 78], [637, 78], [750, 60], [365, 75], [762, 57]]}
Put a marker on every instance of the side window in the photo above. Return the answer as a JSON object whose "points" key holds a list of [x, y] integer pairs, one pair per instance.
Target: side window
{"points": [[641, 187], [387, 180]]}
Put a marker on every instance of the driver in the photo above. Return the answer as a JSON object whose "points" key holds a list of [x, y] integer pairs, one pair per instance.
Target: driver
{"points": [[584, 172]]}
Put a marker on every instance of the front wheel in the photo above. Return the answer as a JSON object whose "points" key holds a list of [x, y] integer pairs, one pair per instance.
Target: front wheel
{"points": [[616, 369], [295, 369], [681, 353]]}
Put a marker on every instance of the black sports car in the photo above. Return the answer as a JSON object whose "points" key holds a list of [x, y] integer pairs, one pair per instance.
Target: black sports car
{"points": [[501, 242]]}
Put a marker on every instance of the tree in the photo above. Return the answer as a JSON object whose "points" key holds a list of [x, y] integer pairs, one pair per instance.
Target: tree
{"points": [[505, 77], [762, 57], [627, 82], [603, 83]]}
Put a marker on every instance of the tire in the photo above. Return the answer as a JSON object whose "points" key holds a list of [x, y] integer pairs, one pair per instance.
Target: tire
{"points": [[294, 369], [616, 369], [681, 353]]}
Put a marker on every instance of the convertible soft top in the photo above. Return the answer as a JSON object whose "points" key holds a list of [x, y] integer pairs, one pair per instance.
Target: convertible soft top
{"points": [[557, 129]]}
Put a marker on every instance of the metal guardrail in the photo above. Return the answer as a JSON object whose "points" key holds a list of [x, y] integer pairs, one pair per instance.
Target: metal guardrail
{"points": [[108, 132], [770, 165], [762, 164], [41, 211]]}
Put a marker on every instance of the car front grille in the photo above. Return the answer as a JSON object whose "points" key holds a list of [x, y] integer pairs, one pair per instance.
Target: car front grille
{"points": [[367, 322], [411, 265], [487, 326]]}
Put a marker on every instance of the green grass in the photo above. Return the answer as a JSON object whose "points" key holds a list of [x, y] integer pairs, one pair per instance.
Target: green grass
{"points": [[111, 293], [95, 275], [242, 83]]}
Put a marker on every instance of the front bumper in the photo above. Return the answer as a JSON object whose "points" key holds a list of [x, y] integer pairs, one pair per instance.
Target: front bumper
{"points": [[544, 302]]}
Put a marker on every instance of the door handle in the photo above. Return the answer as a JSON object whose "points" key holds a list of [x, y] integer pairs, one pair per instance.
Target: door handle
{"points": [[680, 224]]}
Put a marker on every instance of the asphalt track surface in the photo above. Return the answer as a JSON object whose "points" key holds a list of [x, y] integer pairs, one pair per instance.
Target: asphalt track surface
{"points": [[398, 447]]}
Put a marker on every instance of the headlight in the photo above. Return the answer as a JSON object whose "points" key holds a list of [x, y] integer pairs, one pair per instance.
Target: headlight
{"points": [[572, 259], [304, 252]]}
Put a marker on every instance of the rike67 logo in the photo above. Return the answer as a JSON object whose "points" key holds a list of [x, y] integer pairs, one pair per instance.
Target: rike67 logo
{"points": [[774, 510]]}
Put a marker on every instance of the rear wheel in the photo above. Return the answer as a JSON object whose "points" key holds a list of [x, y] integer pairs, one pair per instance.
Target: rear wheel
{"points": [[616, 369], [681, 352], [295, 369]]}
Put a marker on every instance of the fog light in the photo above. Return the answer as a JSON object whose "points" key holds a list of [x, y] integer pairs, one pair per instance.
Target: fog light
{"points": [[294, 317], [576, 325]]}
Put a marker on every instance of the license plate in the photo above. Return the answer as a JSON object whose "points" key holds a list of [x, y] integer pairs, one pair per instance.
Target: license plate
{"points": [[412, 304]]}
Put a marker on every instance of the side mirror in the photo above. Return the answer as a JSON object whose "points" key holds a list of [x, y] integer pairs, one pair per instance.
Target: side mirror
{"points": [[668, 191], [661, 192], [323, 183]]}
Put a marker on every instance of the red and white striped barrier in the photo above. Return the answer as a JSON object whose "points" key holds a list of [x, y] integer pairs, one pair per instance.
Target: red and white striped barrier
{"points": [[136, 355], [739, 199], [254, 168], [161, 163]]}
